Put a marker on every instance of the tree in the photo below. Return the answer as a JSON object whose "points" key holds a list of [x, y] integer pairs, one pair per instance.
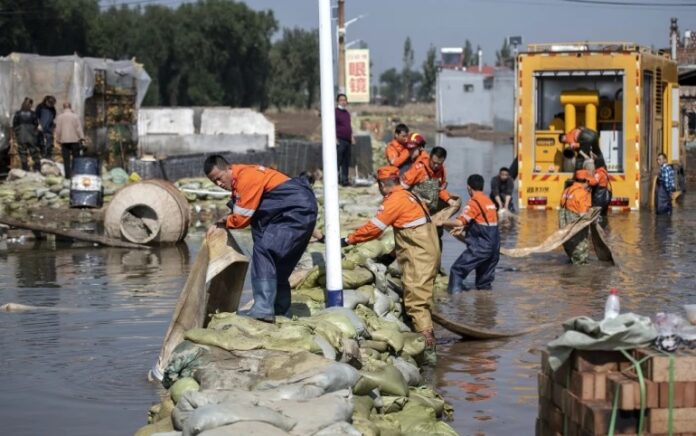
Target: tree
{"points": [[407, 71], [468, 53], [503, 57], [295, 69], [392, 86], [426, 90]]}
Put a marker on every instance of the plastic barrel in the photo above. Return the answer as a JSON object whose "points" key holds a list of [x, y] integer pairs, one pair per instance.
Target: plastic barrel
{"points": [[152, 211], [86, 185]]}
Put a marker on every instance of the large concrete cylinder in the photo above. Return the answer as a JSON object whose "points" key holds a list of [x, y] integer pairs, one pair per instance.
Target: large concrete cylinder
{"points": [[148, 212]]}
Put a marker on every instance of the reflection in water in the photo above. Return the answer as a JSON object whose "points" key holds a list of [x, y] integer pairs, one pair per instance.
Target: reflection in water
{"points": [[84, 370], [492, 384]]}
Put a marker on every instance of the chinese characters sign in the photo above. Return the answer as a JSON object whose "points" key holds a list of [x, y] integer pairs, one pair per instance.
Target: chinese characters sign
{"points": [[358, 75]]}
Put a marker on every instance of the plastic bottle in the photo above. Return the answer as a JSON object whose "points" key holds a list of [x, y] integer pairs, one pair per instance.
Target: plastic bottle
{"points": [[612, 306]]}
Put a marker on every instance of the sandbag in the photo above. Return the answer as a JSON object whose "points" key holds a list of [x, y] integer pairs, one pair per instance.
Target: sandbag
{"points": [[338, 429], [352, 298], [414, 343], [181, 386], [410, 372], [392, 337], [163, 425], [245, 428], [184, 361], [425, 396], [213, 416], [362, 406], [317, 413], [388, 380], [333, 377]]}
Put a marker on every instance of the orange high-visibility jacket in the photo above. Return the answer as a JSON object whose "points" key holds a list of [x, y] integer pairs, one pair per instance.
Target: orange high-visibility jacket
{"points": [[602, 177], [576, 198], [397, 154], [480, 209], [400, 209], [249, 183], [572, 138], [420, 171]]}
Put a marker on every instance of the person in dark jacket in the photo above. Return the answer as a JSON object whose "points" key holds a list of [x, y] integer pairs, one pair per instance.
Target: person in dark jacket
{"points": [[502, 186], [665, 187], [46, 113], [282, 213], [344, 138], [480, 221], [25, 126]]}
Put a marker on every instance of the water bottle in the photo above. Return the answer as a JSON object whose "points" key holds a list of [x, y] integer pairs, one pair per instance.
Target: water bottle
{"points": [[612, 307]]}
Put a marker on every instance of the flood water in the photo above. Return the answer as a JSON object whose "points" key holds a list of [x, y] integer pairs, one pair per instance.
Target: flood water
{"points": [[77, 366]]}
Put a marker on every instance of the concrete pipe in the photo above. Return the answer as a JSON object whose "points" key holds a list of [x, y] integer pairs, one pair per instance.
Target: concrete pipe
{"points": [[148, 212]]}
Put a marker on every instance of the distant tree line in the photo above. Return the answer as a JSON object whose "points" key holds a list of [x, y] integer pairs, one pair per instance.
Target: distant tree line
{"points": [[212, 52]]}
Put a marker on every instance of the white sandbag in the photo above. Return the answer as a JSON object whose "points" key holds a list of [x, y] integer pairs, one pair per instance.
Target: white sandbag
{"points": [[338, 429], [213, 416], [318, 413], [248, 428], [352, 298], [410, 372]]}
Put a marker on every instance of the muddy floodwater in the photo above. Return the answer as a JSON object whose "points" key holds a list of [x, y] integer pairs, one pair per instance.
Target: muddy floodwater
{"points": [[77, 365]]}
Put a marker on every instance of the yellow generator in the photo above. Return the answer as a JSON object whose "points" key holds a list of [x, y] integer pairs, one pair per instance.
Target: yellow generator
{"points": [[628, 94]]}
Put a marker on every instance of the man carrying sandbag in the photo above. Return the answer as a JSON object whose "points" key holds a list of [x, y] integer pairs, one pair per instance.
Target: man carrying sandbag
{"points": [[576, 200], [282, 213], [417, 249]]}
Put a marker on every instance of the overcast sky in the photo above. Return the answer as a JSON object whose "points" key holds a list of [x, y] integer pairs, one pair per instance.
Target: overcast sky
{"points": [[448, 23]]}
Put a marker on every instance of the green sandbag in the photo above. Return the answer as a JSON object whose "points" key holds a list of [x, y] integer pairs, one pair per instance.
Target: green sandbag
{"points": [[312, 279], [366, 427], [414, 343], [181, 386], [249, 325], [292, 338], [387, 424], [377, 346], [368, 290], [53, 180], [352, 279], [338, 319], [316, 294], [425, 396], [392, 404], [362, 406], [330, 332], [389, 381], [436, 428], [162, 426], [394, 338], [224, 339], [160, 411]]}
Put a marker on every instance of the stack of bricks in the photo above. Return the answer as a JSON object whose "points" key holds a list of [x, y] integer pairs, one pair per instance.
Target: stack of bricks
{"points": [[577, 399]]}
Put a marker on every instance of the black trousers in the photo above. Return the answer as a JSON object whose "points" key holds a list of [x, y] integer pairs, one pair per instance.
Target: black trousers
{"points": [[343, 155], [68, 151]]}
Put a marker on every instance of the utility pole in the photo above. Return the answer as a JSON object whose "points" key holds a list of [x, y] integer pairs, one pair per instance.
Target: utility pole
{"points": [[341, 45]]}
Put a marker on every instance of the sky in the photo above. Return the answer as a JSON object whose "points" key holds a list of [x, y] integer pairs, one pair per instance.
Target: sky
{"points": [[448, 23]]}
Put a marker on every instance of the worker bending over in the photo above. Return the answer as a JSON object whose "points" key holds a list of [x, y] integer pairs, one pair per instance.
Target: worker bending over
{"points": [[427, 177], [397, 153], [417, 249], [581, 140], [282, 213], [576, 201], [480, 221]]}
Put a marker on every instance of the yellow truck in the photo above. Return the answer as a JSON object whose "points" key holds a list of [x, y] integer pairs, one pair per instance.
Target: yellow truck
{"points": [[627, 93]]}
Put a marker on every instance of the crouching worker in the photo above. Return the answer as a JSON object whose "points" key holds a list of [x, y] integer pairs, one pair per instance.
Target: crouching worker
{"points": [[282, 213], [480, 221], [417, 247], [575, 201]]}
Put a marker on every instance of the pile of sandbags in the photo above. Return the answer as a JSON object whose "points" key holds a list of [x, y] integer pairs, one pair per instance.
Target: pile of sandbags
{"points": [[336, 371]]}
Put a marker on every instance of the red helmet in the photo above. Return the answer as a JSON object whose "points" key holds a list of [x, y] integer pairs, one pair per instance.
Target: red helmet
{"points": [[415, 140]]}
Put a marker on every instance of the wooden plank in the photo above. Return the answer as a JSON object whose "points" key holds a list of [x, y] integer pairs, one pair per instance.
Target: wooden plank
{"points": [[656, 368], [582, 385], [684, 420]]}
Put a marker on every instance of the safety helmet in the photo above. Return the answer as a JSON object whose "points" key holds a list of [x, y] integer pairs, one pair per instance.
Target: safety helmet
{"points": [[387, 172], [415, 140]]}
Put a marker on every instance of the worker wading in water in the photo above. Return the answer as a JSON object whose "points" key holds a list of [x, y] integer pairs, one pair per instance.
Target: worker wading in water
{"points": [[576, 200], [282, 213], [601, 191], [480, 221], [396, 151], [417, 249]]}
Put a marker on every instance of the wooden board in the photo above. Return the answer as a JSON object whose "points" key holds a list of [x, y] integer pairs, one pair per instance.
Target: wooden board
{"points": [[472, 332]]}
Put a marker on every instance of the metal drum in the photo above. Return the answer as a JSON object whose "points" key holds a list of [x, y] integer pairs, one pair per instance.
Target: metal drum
{"points": [[86, 185]]}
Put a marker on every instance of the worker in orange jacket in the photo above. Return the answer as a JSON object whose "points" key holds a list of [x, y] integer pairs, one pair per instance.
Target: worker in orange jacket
{"points": [[427, 176], [576, 200], [397, 153], [581, 140], [282, 213], [480, 220], [417, 249], [601, 192]]}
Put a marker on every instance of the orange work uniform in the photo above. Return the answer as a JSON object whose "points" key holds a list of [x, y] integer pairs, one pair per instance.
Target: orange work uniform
{"points": [[420, 172], [602, 177], [417, 250], [576, 198], [249, 183], [397, 154]]}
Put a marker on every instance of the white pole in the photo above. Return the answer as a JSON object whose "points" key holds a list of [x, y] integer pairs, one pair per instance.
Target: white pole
{"points": [[332, 231]]}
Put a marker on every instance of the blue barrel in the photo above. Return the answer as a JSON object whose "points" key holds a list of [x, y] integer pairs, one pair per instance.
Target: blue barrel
{"points": [[86, 185]]}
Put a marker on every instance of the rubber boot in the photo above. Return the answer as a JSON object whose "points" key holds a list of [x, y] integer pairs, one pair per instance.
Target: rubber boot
{"points": [[430, 352], [264, 293]]}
